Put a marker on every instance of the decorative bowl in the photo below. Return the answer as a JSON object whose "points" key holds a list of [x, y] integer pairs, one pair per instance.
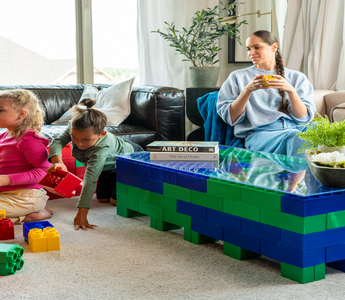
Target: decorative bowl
{"points": [[327, 176]]}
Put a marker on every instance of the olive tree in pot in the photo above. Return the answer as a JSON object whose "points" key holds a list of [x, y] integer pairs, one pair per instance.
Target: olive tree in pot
{"points": [[199, 43]]}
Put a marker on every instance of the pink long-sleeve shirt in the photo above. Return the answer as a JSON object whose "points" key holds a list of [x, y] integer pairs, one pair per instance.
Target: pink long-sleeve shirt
{"points": [[25, 160]]}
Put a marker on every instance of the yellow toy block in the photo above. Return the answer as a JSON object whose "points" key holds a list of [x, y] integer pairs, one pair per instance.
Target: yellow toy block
{"points": [[2, 214], [53, 238], [37, 240]]}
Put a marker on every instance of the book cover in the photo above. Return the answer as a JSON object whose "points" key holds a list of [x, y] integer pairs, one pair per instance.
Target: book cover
{"points": [[182, 146], [188, 164], [184, 156]]}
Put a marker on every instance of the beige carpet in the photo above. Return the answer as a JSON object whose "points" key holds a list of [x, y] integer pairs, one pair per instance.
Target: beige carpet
{"points": [[126, 259]]}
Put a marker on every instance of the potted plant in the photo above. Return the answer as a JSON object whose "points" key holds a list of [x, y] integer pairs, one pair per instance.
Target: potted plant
{"points": [[322, 135], [199, 43]]}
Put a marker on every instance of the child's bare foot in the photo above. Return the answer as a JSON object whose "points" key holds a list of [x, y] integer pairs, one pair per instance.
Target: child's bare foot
{"points": [[49, 210], [39, 216], [113, 202], [107, 200]]}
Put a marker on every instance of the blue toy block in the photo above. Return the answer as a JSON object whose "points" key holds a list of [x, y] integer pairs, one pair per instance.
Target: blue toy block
{"points": [[338, 265], [335, 253], [40, 225], [159, 174], [183, 207], [126, 178], [261, 231], [223, 219], [196, 182], [195, 211], [316, 240], [207, 229], [242, 240], [302, 259], [314, 205]]}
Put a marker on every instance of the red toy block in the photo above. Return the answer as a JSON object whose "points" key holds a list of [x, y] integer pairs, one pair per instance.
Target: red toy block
{"points": [[80, 172], [6, 229], [62, 183]]}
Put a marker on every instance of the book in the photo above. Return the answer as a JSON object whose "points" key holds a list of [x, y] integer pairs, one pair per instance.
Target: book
{"points": [[182, 146], [184, 156], [188, 164]]}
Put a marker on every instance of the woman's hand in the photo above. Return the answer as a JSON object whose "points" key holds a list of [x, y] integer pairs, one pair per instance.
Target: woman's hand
{"points": [[57, 166], [5, 180], [256, 84], [80, 221], [279, 82]]}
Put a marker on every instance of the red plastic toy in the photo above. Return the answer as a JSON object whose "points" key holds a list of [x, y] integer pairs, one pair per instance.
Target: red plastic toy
{"points": [[6, 229], [61, 183]]}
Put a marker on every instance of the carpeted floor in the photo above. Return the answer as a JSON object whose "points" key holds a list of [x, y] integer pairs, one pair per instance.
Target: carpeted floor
{"points": [[126, 259]]}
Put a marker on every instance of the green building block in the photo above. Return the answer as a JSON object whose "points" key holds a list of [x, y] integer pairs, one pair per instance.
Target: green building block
{"points": [[207, 200], [162, 201], [127, 202], [224, 188], [198, 238], [121, 189], [78, 164], [261, 197], [238, 252], [165, 226], [336, 219], [241, 209], [126, 212], [138, 194], [150, 210], [303, 275], [10, 259], [302, 225], [176, 192], [176, 218]]}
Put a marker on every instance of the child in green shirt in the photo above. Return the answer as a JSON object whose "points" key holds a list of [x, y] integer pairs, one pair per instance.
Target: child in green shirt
{"points": [[96, 149]]}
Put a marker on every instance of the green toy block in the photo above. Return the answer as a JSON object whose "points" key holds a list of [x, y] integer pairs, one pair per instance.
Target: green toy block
{"points": [[241, 209], [127, 202], [121, 189], [176, 218], [176, 192], [336, 219], [165, 226], [261, 197], [238, 252], [139, 194], [150, 210], [153, 222], [302, 225], [10, 259], [198, 238], [125, 212], [163, 202], [303, 275], [207, 200], [78, 164], [224, 188]]}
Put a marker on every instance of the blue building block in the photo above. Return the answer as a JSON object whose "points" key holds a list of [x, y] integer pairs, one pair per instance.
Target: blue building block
{"points": [[195, 211], [261, 231], [338, 265], [131, 167], [316, 240], [302, 259], [196, 182], [40, 225], [126, 178], [159, 174], [335, 253], [223, 219], [314, 205], [242, 240], [207, 229]]}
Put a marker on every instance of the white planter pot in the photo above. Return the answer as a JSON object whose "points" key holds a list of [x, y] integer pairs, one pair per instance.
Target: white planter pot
{"points": [[323, 148]]}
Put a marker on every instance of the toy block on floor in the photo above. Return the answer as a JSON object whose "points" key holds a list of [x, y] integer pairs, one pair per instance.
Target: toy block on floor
{"points": [[47, 239], [6, 229], [10, 259], [2, 214], [39, 225], [62, 183]]}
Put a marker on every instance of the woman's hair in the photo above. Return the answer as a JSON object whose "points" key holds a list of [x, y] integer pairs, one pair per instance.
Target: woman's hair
{"points": [[85, 118], [269, 38], [23, 99]]}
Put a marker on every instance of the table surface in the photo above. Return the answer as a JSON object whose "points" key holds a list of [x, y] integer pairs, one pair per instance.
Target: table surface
{"points": [[279, 173]]}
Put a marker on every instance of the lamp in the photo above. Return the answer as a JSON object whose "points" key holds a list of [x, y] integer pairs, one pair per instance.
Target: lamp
{"points": [[232, 19]]}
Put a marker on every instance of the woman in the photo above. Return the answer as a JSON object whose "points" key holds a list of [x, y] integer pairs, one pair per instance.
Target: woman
{"points": [[268, 118]]}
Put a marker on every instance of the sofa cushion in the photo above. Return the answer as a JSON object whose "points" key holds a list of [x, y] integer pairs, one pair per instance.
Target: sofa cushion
{"points": [[338, 113]]}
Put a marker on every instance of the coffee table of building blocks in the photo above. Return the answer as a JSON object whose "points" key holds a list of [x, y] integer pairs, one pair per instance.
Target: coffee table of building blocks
{"points": [[257, 203]]}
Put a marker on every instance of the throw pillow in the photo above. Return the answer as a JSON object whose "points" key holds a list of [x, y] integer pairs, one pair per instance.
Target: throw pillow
{"points": [[113, 101]]}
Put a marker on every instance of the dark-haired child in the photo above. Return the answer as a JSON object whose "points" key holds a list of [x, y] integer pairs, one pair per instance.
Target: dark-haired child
{"points": [[95, 148]]}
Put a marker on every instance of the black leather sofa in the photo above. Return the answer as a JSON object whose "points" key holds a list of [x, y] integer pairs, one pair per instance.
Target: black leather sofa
{"points": [[157, 113]]}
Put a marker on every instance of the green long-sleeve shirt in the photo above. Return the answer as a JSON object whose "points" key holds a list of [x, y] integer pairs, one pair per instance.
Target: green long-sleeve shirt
{"points": [[100, 157]]}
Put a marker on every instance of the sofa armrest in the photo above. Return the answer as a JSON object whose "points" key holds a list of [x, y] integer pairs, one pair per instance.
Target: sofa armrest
{"points": [[332, 100], [319, 100], [161, 109]]}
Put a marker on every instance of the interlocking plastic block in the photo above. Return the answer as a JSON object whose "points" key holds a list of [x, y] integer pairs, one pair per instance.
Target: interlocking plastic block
{"points": [[261, 231], [10, 259], [224, 188], [2, 214], [242, 240], [222, 219], [176, 192], [195, 211], [80, 172], [47, 239], [196, 182], [39, 225], [303, 275], [238, 252], [78, 164], [240, 209], [261, 197], [6, 229], [207, 200], [207, 229], [62, 183], [335, 253]]}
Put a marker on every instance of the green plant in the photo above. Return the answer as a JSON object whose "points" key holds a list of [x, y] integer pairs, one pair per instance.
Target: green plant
{"points": [[199, 43], [322, 132]]}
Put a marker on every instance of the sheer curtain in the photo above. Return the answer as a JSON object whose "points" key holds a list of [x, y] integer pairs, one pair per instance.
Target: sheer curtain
{"points": [[314, 41]]}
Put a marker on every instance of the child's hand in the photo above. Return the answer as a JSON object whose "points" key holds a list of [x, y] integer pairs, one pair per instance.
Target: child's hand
{"points": [[5, 180], [80, 221], [56, 166]]}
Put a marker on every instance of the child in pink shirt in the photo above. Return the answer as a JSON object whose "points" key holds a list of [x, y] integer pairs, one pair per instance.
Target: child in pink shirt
{"points": [[23, 157]]}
